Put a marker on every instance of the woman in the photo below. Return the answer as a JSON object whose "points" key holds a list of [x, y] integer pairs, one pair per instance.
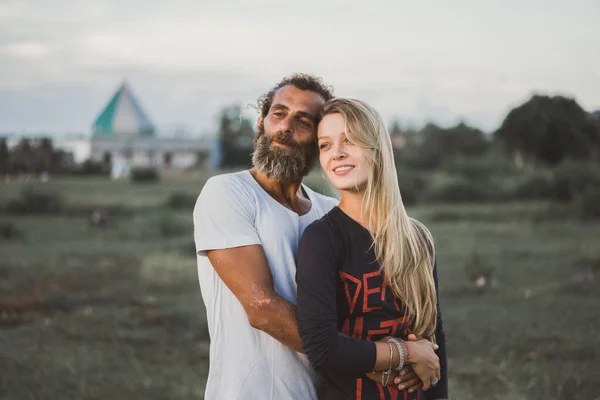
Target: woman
{"points": [[366, 274]]}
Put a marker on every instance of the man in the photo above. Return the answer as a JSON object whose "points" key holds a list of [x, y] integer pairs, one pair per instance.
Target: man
{"points": [[246, 227]]}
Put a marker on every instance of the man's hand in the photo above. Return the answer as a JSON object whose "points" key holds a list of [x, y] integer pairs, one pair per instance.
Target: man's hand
{"points": [[424, 361], [245, 270], [407, 379], [376, 377]]}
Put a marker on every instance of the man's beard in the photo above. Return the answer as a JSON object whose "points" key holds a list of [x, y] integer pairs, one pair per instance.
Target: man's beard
{"points": [[283, 164]]}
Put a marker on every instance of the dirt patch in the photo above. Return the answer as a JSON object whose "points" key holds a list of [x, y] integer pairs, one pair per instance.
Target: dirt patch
{"points": [[41, 296]]}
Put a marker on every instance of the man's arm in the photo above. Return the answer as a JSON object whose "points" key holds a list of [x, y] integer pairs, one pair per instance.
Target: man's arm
{"points": [[246, 273]]}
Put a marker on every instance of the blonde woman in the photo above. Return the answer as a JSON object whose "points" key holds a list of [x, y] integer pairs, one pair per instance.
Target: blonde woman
{"points": [[367, 277]]}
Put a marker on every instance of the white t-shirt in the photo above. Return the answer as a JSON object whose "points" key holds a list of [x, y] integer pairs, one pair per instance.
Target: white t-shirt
{"points": [[233, 210]]}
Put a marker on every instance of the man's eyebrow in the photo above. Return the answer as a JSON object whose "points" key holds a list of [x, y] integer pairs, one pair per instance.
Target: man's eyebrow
{"points": [[280, 106]]}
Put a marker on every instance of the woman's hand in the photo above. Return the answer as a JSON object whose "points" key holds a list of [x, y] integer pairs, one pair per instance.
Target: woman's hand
{"points": [[423, 360]]}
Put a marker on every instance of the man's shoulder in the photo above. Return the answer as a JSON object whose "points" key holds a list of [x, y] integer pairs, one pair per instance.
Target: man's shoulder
{"points": [[226, 183], [224, 192], [235, 178]]}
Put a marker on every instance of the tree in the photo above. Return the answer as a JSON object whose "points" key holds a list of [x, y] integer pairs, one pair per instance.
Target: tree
{"points": [[548, 130], [432, 146], [22, 157], [43, 155], [235, 137], [4, 157]]}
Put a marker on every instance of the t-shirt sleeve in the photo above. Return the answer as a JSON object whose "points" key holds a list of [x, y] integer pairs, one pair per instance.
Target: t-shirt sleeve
{"points": [[441, 390], [224, 216], [326, 348]]}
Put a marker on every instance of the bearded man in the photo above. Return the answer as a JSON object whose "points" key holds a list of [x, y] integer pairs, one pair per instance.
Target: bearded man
{"points": [[246, 228]]}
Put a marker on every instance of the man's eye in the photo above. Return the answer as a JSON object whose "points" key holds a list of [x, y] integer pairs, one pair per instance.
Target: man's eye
{"points": [[305, 124]]}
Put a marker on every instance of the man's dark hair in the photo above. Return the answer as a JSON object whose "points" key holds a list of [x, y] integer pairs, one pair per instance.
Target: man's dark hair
{"points": [[300, 81]]}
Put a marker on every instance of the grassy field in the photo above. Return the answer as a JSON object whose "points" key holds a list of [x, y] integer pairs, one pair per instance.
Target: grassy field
{"points": [[115, 312]]}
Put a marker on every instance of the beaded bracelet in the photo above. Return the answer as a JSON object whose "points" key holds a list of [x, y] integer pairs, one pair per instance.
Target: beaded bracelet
{"points": [[407, 351]]}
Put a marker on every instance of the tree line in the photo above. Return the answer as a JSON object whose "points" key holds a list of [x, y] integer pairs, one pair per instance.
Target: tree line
{"points": [[544, 131]]}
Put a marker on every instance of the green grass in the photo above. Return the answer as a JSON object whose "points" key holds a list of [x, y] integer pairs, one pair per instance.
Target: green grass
{"points": [[115, 312]]}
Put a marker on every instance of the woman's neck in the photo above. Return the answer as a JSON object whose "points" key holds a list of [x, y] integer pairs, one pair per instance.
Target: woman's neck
{"points": [[351, 205]]}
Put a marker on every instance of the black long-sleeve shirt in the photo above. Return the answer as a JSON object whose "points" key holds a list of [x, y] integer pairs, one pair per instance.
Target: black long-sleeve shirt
{"points": [[344, 306]]}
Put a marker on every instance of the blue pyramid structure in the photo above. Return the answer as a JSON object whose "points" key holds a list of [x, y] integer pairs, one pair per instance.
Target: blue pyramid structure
{"points": [[123, 116]]}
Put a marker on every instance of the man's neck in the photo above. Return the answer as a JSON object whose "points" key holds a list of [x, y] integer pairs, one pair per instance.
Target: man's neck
{"points": [[289, 194]]}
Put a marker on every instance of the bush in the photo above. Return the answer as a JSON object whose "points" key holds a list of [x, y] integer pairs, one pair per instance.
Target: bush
{"points": [[535, 186], [144, 175], [588, 203], [188, 249], [181, 200], [36, 202], [573, 178], [412, 185], [481, 167], [90, 168], [459, 191], [9, 231], [171, 227]]}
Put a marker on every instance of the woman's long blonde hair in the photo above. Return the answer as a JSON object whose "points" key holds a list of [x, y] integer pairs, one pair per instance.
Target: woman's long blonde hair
{"points": [[403, 246]]}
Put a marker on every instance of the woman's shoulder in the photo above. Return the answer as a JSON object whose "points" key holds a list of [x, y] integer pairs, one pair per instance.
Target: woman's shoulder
{"points": [[322, 226], [324, 229]]}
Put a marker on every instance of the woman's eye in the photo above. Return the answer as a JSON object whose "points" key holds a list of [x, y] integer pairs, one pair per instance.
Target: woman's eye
{"points": [[322, 146]]}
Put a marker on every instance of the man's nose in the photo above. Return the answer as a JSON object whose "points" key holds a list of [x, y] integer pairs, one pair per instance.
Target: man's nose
{"points": [[286, 125]]}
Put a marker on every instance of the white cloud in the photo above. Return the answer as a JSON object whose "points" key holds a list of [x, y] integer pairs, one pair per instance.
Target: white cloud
{"points": [[27, 50], [420, 60]]}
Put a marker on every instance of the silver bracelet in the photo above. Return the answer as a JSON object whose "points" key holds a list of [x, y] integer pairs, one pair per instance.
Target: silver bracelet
{"points": [[400, 352], [385, 375]]}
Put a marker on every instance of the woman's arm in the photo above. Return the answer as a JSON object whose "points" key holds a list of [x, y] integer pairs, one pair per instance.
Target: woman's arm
{"points": [[326, 348], [318, 258]]}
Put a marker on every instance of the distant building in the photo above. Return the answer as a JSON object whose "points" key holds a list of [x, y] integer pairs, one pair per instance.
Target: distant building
{"points": [[124, 135]]}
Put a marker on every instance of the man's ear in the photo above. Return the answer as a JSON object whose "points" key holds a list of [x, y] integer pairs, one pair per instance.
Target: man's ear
{"points": [[259, 123]]}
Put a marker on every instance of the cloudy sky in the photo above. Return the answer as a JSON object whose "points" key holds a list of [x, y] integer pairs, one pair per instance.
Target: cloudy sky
{"points": [[440, 61]]}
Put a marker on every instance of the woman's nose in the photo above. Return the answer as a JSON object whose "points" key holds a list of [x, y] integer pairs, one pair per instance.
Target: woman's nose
{"points": [[339, 153]]}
